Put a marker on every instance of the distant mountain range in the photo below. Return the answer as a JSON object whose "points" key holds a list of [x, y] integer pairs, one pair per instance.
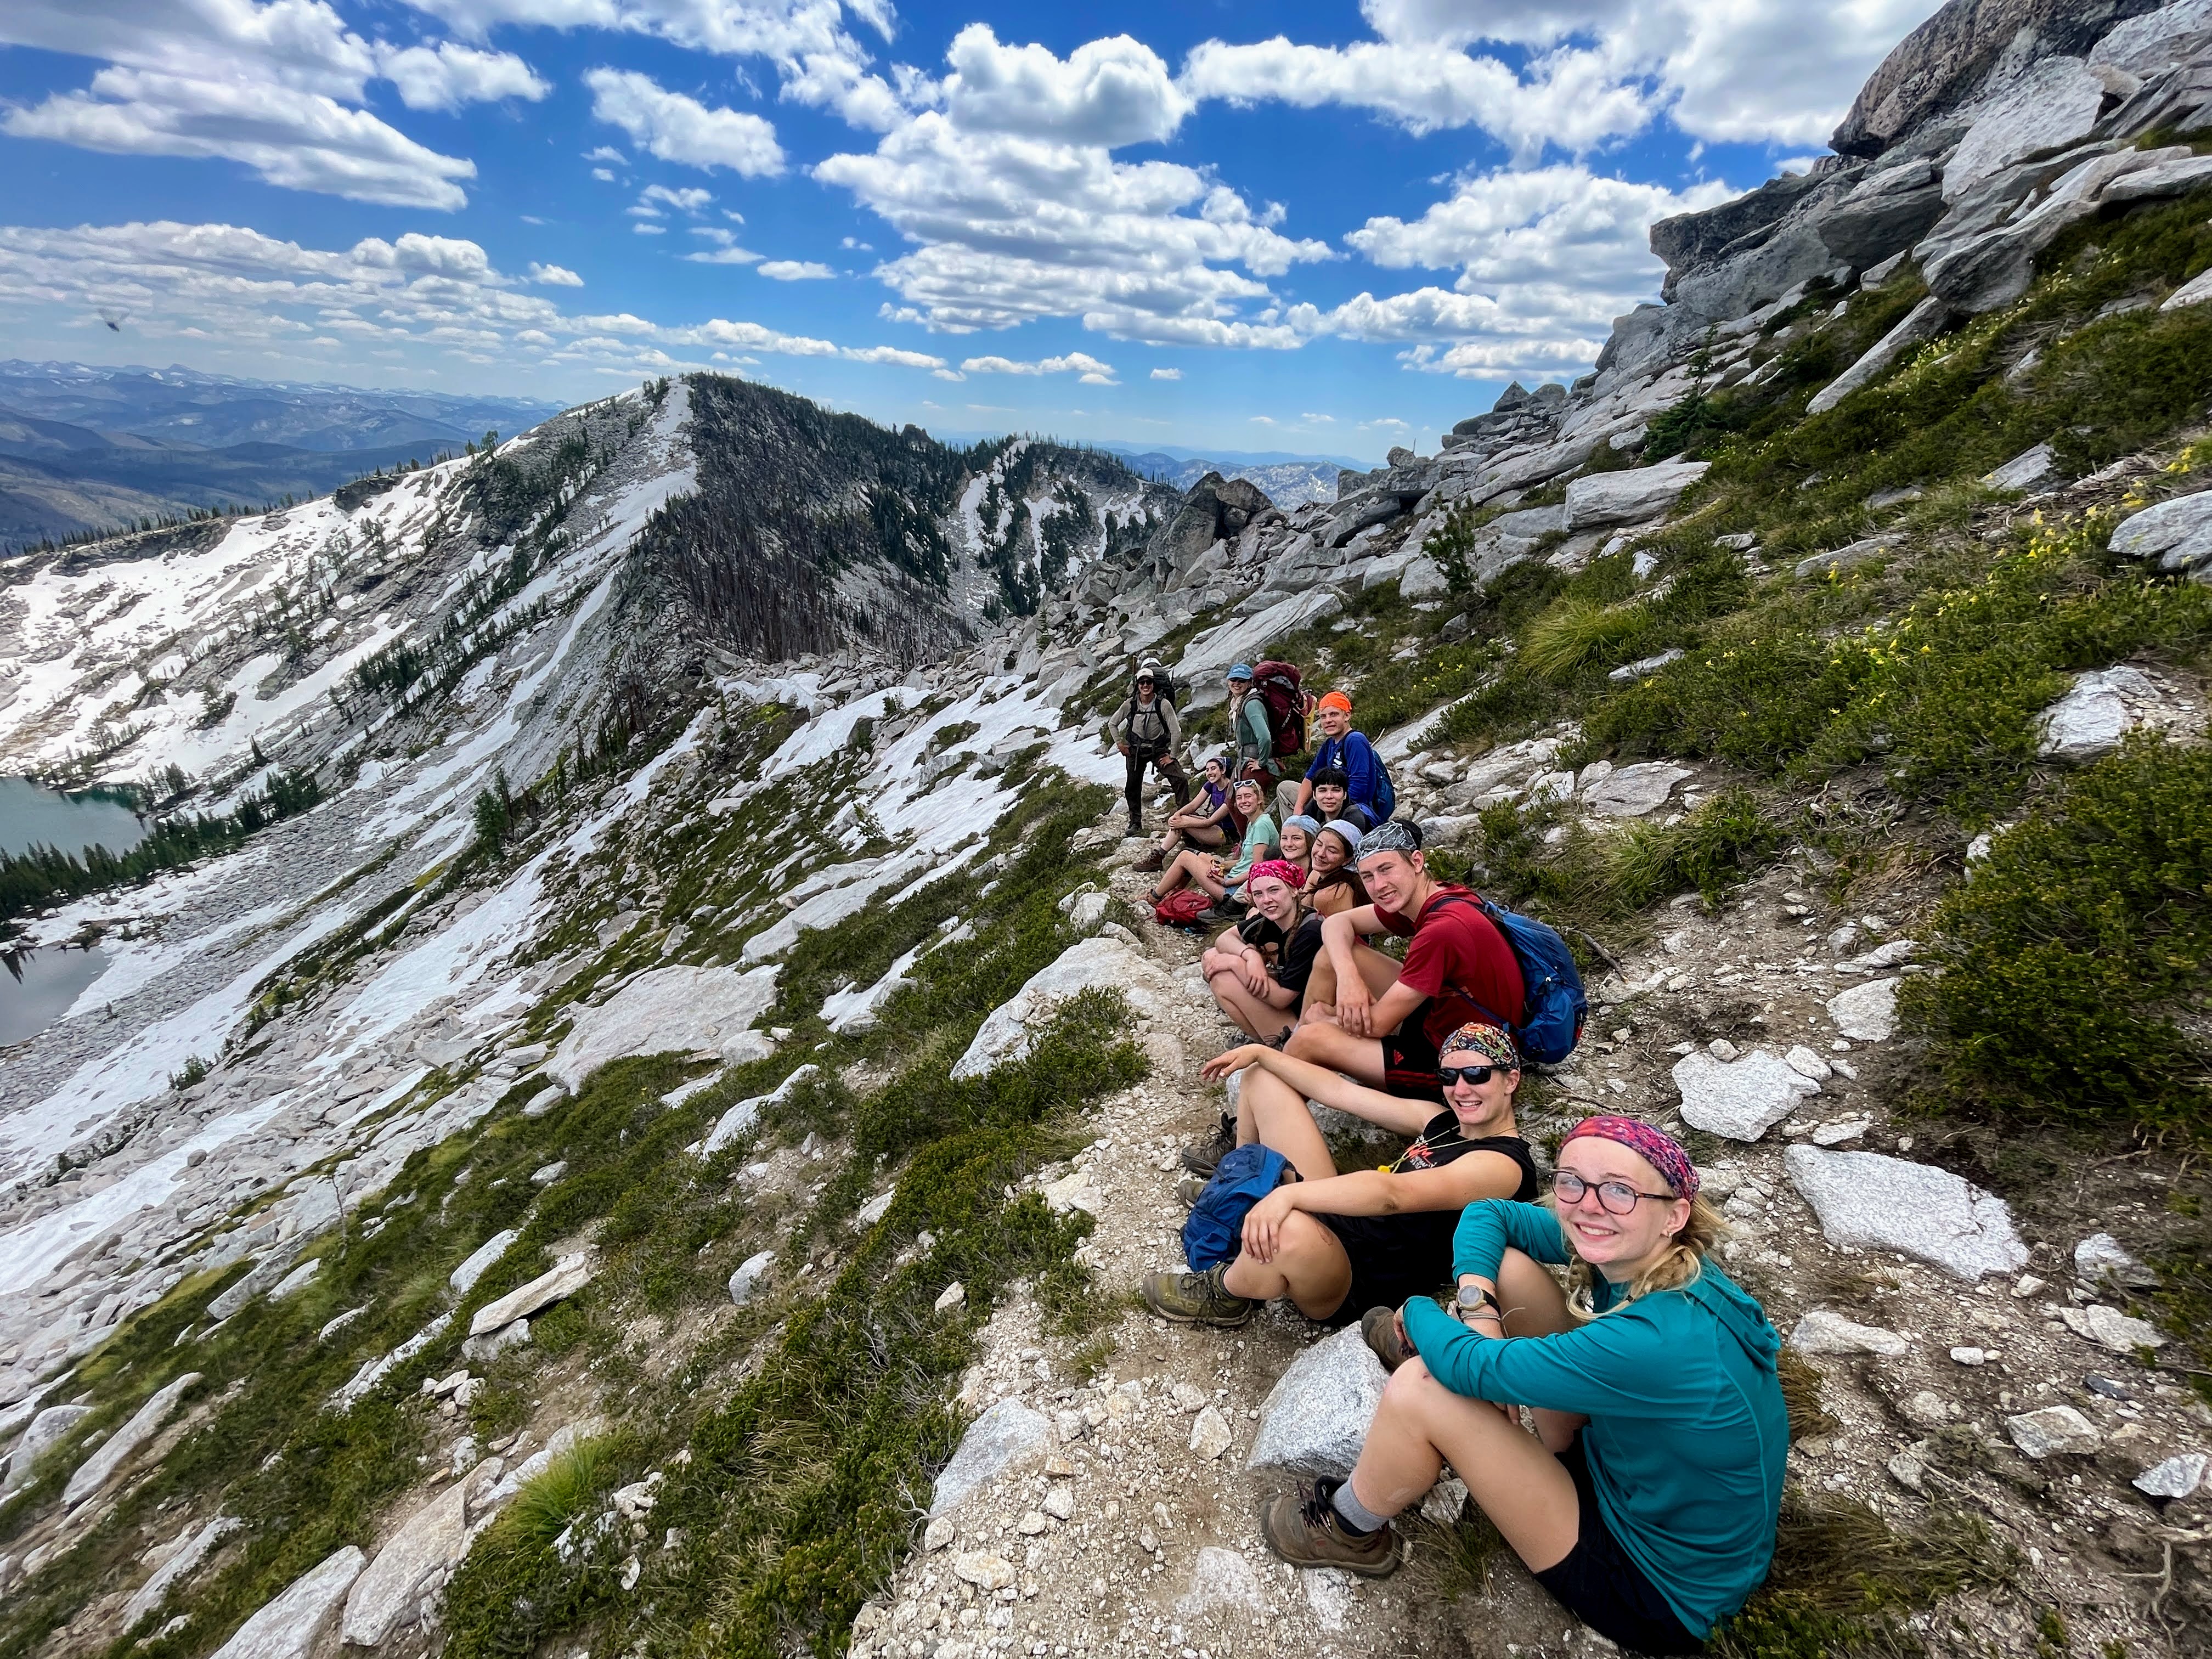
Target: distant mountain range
{"points": [[1288, 479], [87, 447]]}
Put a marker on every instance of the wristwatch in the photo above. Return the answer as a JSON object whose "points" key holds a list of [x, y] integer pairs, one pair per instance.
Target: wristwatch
{"points": [[1474, 1300]]}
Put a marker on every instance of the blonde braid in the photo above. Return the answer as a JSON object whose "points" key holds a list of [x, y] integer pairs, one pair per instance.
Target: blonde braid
{"points": [[1679, 1265]]}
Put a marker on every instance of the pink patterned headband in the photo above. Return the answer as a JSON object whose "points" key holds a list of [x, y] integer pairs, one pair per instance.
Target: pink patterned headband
{"points": [[1654, 1147]]}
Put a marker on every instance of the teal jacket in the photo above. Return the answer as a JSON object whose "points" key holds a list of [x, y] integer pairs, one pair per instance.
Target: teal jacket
{"points": [[1688, 1432]]}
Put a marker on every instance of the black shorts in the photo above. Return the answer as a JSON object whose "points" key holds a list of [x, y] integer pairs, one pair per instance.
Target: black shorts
{"points": [[1409, 1061], [1602, 1585], [1395, 1258]]}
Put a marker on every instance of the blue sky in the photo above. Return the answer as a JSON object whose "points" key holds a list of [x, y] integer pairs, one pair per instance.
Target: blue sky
{"points": [[1312, 227]]}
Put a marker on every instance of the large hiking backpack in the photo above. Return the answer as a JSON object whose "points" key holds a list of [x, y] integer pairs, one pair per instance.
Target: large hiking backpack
{"points": [[1277, 685], [1215, 1230], [1554, 1007]]}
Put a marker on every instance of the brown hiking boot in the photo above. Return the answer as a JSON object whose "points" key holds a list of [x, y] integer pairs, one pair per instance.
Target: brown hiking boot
{"points": [[1197, 1298], [1301, 1527], [1380, 1327], [1152, 864], [1204, 1158]]}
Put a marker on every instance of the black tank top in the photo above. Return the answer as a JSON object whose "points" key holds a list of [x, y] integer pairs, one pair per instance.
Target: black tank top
{"points": [[1442, 1143]]}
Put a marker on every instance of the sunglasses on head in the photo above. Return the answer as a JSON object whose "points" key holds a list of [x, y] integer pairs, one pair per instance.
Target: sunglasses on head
{"points": [[1474, 1076]]}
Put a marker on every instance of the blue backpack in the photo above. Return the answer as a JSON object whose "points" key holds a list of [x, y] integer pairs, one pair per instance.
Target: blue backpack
{"points": [[1551, 1017], [1215, 1230]]}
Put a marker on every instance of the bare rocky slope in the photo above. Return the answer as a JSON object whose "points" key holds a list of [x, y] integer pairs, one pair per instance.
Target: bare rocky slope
{"points": [[643, 1143]]}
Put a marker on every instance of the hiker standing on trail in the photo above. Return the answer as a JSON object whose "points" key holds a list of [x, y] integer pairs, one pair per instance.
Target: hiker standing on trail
{"points": [[1646, 1501], [1147, 734], [1367, 782], [1380, 1021], [1339, 1244], [1254, 737]]}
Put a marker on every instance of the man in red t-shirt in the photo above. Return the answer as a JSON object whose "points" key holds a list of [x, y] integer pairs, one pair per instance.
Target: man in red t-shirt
{"points": [[1373, 1019]]}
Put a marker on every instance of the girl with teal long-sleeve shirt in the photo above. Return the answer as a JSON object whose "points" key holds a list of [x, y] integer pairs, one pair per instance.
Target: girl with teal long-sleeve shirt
{"points": [[1647, 1501]]}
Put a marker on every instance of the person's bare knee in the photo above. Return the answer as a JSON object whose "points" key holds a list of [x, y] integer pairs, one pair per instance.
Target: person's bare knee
{"points": [[1315, 1269], [1534, 1304]]}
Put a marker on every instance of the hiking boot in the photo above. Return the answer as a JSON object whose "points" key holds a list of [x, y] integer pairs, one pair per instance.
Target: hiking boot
{"points": [[1152, 864], [1189, 1188], [1301, 1527], [1380, 1327], [1204, 1158], [1136, 828], [1197, 1298]]}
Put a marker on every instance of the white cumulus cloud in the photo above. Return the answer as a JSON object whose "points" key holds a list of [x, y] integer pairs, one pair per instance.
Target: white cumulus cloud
{"points": [[679, 129], [555, 276], [1167, 375], [446, 76], [795, 271]]}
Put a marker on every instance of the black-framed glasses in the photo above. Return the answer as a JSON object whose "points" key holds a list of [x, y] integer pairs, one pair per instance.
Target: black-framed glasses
{"points": [[1614, 1197], [1473, 1076]]}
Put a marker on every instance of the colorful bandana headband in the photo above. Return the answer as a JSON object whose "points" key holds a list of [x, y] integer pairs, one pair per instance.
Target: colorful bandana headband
{"points": [[1391, 837], [1281, 869], [1654, 1147], [1336, 700], [1300, 821], [1480, 1037], [1350, 832]]}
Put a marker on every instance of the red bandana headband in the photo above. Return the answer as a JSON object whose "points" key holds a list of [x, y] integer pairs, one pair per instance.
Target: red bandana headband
{"points": [[1281, 869]]}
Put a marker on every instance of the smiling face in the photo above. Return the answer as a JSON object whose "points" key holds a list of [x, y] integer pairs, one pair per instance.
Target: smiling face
{"points": [[1248, 799], [1274, 899], [1482, 1108], [1328, 852], [1618, 1246], [1393, 879], [1214, 774], [1297, 846], [1329, 797], [1334, 721]]}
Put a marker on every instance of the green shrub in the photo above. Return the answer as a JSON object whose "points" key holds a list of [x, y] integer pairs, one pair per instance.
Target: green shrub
{"points": [[2076, 957], [1575, 632]]}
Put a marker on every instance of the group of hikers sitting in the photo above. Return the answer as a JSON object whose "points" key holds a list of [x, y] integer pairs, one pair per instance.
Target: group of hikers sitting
{"points": [[1645, 1494]]}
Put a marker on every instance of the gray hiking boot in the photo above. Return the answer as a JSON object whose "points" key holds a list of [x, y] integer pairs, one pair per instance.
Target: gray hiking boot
{"points": [[1197, 1298], [1204, 1158], [1301, 1527], [1190, 1188]]}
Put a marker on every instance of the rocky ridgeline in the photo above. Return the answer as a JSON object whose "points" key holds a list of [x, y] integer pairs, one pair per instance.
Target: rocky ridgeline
{"points": [[376, 997]]}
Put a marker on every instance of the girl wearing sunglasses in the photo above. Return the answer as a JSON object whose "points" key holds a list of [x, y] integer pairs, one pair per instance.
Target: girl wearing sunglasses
{"points": [[1337, 1245], [1646, 1500]]}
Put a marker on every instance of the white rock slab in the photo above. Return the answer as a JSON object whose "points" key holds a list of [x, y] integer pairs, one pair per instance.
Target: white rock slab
{"points": [[746, 1113], [1006, 1436], [745, 1282], [2177, 533], [563, 1280], [2030, 470], [2054, 1430], [1742, 1099], [1872, 1202], [1210, 1436], [1823, 1332], [1103, 963], [1221, 1579], [1867, 1012], [389, 1592], [669, 1010], [287, 1627], [2099, 710], [1206, 661], [119, 1448], [1629, 792], [463, 1278], [1632, 496], [1314, 1421], [2101, 1256], [2110, 1328], [48, 1428], [2054, 104], [187, 1554], [2176, 1477]]}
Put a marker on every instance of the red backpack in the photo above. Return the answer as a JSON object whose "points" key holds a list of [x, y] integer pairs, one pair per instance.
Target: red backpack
{"points": [[1182, 908], [1277, 685]]}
